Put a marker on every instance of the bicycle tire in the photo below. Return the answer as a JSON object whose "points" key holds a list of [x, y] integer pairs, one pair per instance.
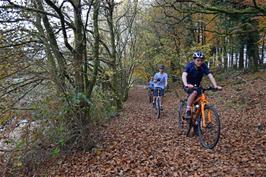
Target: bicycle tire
{"points": [[202, 131], [150, 96], [181, 112], [158, 108], [182, 123]]}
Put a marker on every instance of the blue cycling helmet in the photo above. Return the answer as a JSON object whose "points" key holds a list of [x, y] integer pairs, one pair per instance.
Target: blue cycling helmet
{"points": [[198, 54], [161, 66]]}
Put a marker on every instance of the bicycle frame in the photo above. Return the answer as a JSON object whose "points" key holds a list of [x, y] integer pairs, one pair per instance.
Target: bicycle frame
{"points": [[202, 100], [158, 97], [158, 103]]}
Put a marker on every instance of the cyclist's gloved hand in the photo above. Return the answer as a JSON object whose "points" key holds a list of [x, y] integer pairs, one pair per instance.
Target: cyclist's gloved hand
{"points": [[218, 88], [189, 86]]}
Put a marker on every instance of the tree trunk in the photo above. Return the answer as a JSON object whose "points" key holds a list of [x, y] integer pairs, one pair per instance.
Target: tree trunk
{"points": [[232, 58], [54, 47], [96, 46], [225, 57], [252, 42], [115, 84], [241, 56], [246, 65], [190, 34], [78, 56], [262, 49], [255, 58]]}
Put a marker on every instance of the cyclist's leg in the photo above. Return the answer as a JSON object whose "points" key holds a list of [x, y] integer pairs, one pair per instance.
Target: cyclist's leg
{"points": [[152, 91], [192, 95], [190, 99]]}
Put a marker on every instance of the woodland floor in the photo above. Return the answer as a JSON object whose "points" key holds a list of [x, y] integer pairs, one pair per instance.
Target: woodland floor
{"points": [[138, 144]]}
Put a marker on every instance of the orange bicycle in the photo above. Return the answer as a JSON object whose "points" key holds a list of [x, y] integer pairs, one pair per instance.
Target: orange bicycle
{"points": [[204, 119]]}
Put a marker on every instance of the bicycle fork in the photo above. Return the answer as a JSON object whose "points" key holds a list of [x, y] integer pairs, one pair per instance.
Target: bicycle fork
{"points": [[158, 102], [209, 119]]}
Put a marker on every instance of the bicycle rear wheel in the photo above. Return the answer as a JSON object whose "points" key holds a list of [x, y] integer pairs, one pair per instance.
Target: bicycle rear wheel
{"points": [[210, 134], [151, 96], [182, 123], [158, 107]]}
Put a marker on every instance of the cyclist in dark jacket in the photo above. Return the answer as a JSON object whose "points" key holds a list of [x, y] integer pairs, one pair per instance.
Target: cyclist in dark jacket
{"points": [[192, 76]]}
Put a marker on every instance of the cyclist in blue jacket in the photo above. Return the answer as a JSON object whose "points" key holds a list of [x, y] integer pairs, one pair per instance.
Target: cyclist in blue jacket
{"points": [[192, 76], [151, 84], [160, 83]]}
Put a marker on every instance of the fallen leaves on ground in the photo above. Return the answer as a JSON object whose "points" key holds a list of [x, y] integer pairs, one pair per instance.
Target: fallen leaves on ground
{"points": [[138, 144]]}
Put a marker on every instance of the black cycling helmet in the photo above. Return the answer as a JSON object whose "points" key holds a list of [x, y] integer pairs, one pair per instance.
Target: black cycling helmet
{"points": [[161, 66], [198, 54]]}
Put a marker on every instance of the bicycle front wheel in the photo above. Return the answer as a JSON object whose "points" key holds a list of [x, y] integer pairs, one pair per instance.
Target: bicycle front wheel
{"points": [[209, 134], [158, 108]]}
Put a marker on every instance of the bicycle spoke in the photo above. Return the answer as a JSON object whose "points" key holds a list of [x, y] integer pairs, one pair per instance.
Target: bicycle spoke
{"points": [[158, 110], [209, 134]]}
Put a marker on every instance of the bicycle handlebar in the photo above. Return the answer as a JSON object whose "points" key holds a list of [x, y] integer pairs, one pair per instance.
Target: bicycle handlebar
{"points": [[211, 88], [206, 89]]}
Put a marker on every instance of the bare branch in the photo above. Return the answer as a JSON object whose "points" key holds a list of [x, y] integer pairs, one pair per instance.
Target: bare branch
{"points": [[20, 86], [103, 43], [62, 19], [16, 6], [62, 4], [87, 16], [21, 97], [19, 44], [220, 9], [21, 69], [15, 20]]}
